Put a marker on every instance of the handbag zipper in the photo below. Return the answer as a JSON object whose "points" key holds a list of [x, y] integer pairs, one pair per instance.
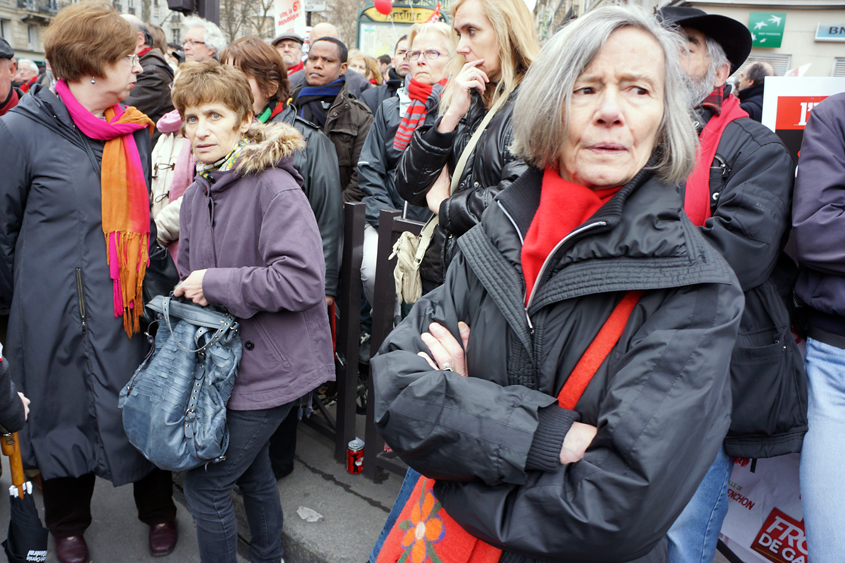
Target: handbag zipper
{"points": [[81, 298]]}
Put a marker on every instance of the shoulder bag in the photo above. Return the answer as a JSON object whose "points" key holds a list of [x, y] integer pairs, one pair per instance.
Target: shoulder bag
{"points": [[174, 407], [423, 526], [410, 249]]}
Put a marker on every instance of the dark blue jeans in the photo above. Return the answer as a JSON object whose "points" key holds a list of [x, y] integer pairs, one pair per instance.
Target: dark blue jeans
{"points": [[247, 464]]}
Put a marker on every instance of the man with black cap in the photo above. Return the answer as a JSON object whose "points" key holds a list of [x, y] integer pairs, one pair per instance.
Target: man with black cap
{"points": [[289, 46], [9, 95], [739, 195]]}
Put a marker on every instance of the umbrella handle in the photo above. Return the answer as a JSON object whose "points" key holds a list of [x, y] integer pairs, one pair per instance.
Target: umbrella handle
{"points": [[11, 447]]}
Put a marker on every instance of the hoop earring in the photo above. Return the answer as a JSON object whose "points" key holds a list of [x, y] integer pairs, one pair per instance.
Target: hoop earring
{"points": [[93, 81]]}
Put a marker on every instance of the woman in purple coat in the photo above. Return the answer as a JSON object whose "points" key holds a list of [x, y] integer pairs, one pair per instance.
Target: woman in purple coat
{"points": [[249, 242]]}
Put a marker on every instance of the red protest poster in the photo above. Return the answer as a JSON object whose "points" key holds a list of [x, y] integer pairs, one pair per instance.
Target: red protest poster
{"points": [[788, 102]]}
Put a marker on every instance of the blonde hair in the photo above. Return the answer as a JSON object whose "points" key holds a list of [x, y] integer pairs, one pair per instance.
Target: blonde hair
{"points": [[541, 111], [439, 27], [369, 62], [518, 47]]}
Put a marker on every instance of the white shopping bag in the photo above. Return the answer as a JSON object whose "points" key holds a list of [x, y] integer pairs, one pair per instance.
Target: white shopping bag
{"points": [[765, 522]]}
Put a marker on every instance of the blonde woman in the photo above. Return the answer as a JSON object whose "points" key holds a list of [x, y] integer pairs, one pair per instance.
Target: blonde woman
{"points": [[496, 44], [366, 66], [432, 46]]}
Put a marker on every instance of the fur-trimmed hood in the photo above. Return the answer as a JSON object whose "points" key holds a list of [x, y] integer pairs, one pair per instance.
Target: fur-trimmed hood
{"points": [[270, 145]]}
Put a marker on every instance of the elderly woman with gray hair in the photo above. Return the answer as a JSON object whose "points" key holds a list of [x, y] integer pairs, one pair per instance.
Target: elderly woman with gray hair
{"points": [[567, 387]]}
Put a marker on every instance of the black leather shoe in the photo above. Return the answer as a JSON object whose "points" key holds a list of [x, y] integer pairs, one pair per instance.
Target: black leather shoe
{"points": [[163, 539], [72, 550]]}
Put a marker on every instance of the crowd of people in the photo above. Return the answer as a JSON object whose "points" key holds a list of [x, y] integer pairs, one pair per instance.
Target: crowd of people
{"points": [[608, 298]]}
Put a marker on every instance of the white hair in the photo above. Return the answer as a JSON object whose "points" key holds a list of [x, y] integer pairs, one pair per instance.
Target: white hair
{"points": [[29, 64], [541, 111], [212, 35]]}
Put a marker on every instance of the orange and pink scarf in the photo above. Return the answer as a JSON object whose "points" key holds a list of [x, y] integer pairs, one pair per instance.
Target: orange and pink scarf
{"points": [[125, 200]]}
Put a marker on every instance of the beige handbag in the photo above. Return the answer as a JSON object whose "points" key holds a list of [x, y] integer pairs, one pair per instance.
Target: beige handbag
{"points": [[409, 249]]}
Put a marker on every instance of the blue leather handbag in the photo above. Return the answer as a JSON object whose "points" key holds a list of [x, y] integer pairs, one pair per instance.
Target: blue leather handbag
{"points": [[174, 407]]}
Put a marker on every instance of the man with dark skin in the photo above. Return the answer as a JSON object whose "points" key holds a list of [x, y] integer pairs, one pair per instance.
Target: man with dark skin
{"points": [[355, 83], [325, 101]]}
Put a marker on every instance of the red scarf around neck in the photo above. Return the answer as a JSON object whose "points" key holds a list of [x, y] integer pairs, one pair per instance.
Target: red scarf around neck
{"points": [[564, 206], [697, 193], [10, 103], [298, 66], [419, 94]]}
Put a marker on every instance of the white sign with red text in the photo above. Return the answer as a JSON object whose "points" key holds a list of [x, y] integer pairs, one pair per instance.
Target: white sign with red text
{"points": [[765, 521], [289, 17]]}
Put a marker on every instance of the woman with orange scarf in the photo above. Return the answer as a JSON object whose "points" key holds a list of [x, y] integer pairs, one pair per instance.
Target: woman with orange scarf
{"points": [[74, 233]]}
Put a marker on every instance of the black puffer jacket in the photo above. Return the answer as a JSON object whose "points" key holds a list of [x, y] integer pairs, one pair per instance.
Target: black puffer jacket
{"points": [[490, 164], [317, 165], [751, 200], [378, 162], [751, 100], [661, 399]]}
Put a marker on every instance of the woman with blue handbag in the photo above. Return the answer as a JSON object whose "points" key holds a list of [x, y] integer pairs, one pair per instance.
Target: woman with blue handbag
{"points": [[249, 243]]}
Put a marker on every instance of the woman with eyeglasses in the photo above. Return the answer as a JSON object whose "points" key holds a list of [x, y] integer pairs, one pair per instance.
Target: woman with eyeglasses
{"points": [[431, 48], [496, 44], [74, 233]]}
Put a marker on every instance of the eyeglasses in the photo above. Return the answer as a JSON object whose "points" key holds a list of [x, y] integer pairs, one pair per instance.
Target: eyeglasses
{"points": [[192, 42], [133, 59], [431, 54]]}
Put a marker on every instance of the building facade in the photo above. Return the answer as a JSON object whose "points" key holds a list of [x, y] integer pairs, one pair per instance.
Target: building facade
{"points": [[813, 31]]}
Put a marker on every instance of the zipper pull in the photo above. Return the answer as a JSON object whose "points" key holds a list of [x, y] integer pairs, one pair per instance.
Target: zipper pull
{"points": [[530, 324]]}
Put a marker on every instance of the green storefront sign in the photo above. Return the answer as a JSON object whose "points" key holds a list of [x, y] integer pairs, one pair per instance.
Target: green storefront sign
{"points": [[766, 29]]}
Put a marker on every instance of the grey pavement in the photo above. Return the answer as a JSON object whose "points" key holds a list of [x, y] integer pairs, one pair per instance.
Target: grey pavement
{"points": [[352, 511]]}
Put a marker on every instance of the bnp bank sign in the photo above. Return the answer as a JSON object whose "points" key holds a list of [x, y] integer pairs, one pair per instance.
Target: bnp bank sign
{"points": [[831, 32], [766, 29]]}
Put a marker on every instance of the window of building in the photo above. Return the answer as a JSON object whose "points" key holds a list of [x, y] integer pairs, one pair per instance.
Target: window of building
{"points": [[839, 66], [6, 29], [32, 37]]}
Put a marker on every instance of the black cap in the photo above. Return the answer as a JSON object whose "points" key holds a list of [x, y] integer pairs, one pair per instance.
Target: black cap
{"points": [[733, 36], [289, 37], [6, 51]]}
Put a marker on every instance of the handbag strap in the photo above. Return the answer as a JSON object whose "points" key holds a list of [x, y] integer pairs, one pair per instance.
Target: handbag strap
{"points": [[221, 330], [462, 162], [598, 350], [425, 235]]}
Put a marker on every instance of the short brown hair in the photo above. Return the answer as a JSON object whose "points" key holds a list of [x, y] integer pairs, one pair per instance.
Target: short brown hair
{"points": [[209, 82], [261, 61], [85, 38], [159, 38]]}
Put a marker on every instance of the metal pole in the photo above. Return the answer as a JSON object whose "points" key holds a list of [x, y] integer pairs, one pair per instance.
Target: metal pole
{"points": [[308, 19]]}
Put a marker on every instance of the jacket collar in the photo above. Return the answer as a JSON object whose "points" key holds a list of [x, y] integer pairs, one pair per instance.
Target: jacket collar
{"points": [[522, 199], [276, 150]]}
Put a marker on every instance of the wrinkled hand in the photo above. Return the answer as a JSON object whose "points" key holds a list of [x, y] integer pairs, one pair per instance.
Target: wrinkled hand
{"points": [[470, 77], [439, 191], [25, 402], [447, 352], [329, 300], [576, 442], [192, 288]]}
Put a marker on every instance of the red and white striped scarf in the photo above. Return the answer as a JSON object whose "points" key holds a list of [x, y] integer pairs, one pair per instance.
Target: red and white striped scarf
{"points": [[424, 98]]}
